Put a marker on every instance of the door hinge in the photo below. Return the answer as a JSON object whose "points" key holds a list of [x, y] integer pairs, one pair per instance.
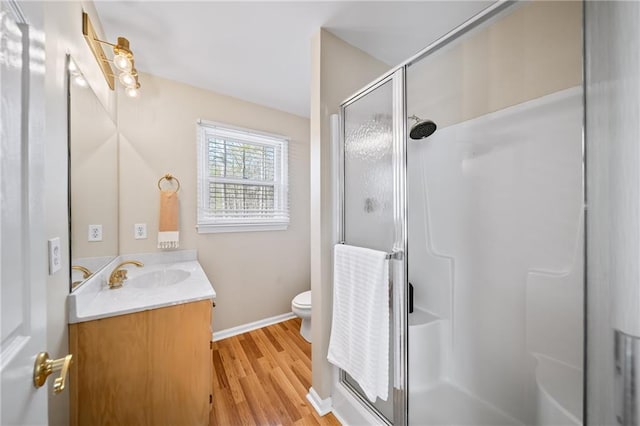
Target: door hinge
{"points": [[210, 345], [210, 399]]}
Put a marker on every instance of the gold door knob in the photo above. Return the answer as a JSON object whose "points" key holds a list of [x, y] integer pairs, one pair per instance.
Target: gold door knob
{"points": [[45, 366]]}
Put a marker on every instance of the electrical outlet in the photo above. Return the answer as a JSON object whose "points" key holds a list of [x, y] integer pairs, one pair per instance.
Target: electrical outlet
{"points": [[95, 233], [140, 231], [55, 255]]}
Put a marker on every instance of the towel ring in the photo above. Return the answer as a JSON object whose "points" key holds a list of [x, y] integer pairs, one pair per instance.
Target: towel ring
{"points": [[169, 178]]}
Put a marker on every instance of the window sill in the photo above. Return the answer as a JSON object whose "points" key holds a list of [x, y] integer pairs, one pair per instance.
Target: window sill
{"points": [[210, 228]]}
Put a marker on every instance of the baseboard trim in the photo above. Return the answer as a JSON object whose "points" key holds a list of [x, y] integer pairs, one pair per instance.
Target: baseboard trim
{"points": [[234, 331], [339, 418], [322, 406]]}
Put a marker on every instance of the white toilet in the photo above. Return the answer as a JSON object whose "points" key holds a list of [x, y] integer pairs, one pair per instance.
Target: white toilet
{"points": [[301, 306]]}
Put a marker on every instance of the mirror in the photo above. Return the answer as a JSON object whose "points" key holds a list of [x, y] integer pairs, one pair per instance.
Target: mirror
{"points": [[93, 179]]}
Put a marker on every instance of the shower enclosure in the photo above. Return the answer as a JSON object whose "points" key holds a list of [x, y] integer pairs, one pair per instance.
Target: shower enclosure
{"points": [[466, 164]]}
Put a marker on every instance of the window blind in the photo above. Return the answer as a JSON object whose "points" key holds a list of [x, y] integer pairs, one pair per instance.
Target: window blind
{"points": [[243, 181]]}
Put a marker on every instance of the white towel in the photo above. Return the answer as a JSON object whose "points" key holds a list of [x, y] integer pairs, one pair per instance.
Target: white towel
{"points": [[359, 342]]}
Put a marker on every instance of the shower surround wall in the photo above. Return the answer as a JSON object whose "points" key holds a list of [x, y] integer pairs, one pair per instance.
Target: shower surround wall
{"points": [[495, 222], [496, 249]]}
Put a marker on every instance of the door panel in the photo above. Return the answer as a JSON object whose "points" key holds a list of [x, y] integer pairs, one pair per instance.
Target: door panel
{"points": [[612, 66], [368, 187], [22, 238], [372, 199]]}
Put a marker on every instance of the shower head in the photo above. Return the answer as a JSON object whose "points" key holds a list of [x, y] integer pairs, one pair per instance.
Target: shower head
{"points": [[422, 128]]}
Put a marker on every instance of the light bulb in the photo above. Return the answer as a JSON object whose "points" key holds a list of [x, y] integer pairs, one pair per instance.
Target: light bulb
{"points": [[122, 62], [132, 92], [80, 81], [73, 68], [127, 79]]}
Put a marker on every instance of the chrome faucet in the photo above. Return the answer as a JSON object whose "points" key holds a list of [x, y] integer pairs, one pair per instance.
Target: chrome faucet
{"points": [[119, 275]]}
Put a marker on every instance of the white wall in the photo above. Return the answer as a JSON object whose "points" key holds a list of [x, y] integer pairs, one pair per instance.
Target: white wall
{"points": [[338, 70], [63, 32], [255, 274]]}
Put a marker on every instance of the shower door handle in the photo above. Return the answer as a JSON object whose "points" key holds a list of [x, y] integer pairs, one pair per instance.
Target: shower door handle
{"points": [[627, 391]]}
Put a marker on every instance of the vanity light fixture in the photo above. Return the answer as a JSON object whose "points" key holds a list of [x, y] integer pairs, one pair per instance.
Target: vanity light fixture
{"points": [[133, 91], [122, 60]]}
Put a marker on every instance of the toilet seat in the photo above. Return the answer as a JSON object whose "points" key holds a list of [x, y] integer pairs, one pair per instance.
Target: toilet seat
{"points": [[303, 300]]}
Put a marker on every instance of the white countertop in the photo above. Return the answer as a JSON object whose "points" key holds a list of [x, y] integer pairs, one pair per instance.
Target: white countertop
{"points": [[95, 300]]}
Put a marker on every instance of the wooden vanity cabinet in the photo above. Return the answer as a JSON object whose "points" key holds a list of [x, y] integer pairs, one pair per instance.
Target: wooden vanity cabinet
{"points": [[147, 368]]}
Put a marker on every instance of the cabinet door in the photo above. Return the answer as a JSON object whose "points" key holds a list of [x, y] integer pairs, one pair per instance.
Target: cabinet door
{"points": [[180, 366], [110, 377], [149, 368]]}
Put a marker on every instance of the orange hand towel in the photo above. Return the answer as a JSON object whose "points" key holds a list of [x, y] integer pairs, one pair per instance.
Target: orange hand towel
{"points": [[168, 235]]}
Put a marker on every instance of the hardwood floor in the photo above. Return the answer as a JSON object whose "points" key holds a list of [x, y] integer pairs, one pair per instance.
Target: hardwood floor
{"points": [[262, 378]]}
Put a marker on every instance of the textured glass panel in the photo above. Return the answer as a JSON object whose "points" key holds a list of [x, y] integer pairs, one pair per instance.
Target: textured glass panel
{"points": [[368, 186], [369, 171]]}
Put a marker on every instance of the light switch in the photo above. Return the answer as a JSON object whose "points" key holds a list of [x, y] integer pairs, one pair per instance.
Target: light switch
{"points": [[140, 231], [55, 255], [95, 232]]}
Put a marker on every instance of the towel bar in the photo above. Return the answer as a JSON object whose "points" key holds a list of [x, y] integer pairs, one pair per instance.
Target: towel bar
{"points": [[394, 255]]}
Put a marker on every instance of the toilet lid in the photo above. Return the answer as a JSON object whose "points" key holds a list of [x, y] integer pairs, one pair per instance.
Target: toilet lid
{"points": [[303, 299]]}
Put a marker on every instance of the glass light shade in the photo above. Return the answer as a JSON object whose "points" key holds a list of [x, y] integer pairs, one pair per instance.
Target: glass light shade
{"points": [[132, 92], [127, 79], [122, 62]]}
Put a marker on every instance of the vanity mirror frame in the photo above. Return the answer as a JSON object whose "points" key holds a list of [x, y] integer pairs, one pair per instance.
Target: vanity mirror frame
{"points": [[101, 156]]}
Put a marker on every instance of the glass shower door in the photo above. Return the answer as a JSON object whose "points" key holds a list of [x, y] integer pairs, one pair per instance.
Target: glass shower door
{"points": [[496, 223], [372, 200]]}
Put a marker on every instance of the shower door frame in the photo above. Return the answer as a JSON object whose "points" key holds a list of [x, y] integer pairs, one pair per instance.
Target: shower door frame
{"points": [[398, 306]]}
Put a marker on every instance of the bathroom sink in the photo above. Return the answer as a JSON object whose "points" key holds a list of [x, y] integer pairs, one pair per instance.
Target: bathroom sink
{"points": [[166, 279], [157, 279]]}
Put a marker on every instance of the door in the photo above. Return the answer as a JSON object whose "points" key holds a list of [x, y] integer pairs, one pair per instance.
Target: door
{"points": [[372, 205], [22, 235]]}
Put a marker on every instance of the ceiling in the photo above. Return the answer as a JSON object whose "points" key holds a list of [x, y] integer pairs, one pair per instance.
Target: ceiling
{"points": [[261, 51]]}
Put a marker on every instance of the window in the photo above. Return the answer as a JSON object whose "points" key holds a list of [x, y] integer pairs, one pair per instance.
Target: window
{"points": [[242, 180]]}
